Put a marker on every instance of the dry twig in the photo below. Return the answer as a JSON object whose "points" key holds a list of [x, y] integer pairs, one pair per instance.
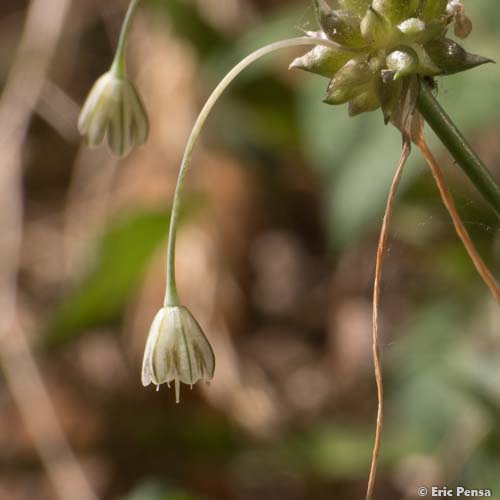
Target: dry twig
{"points": [[381, 249], [44, 25]]}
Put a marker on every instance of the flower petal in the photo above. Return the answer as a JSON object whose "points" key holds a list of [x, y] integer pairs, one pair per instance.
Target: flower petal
{"points": [[148, 374]]}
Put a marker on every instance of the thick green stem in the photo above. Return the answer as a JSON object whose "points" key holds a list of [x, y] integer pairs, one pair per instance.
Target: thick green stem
{"points": [[171, 297], [118, 66], [458, 146]]}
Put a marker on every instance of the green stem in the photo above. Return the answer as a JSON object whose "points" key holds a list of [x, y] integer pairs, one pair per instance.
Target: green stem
{"points": [[118, 66], [458, 146], [171, 297]]}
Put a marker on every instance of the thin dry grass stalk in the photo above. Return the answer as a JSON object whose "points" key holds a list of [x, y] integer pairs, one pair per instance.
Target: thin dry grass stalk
{"points": [[381, 250]]}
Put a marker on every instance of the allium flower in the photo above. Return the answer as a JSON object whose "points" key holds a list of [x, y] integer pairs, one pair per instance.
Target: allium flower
{"points": [[176, 350], [114, 109], [383, 45]]}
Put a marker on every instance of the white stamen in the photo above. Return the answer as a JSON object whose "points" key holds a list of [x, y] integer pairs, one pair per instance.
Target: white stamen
{"points": [[177, 384]]}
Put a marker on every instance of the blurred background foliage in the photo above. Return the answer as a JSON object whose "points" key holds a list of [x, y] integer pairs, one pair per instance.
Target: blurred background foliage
{"points": [[276, 258]]}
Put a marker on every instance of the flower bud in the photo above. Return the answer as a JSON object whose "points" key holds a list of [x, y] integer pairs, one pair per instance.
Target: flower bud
{"points": [[376, 28], [114, 109], [322, 61], [396, 10], [341, 26], [176, 350], [402, 62], [451, 58]]}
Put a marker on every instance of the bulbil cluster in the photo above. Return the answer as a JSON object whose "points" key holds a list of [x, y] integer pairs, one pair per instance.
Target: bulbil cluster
{"points": [[382, 46]]}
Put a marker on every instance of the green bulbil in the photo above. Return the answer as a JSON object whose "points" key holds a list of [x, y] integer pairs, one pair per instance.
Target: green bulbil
{"points": [[341, 26], [364, 102], [353, 73], [322, 61], [350, 80], [396, 10], [451, 58], [414, 30], [358, 7], [433, 9], [384, 46], [376, 28], [426, 66], [402, 62]]}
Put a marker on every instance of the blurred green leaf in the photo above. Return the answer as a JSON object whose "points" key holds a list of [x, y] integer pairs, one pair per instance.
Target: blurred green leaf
{"points": [[284, 22], [185, 19], [344, 451], [259, 108], [121, 257], [357, 158]]}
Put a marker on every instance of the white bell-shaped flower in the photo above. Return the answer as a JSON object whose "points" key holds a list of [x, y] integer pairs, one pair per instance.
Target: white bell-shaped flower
{"points": [[177, 350], [114, 110]]}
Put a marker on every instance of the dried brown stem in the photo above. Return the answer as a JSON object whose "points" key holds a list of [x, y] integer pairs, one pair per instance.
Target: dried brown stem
{"points": [[381, 249], [44, 25], [478, 262]]}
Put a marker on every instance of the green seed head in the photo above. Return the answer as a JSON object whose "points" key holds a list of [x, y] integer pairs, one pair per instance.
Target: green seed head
{"points": [[384, 45]]}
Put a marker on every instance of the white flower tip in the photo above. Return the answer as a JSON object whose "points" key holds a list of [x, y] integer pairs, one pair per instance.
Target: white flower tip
{"points": [[177, 390], [297, 63]]}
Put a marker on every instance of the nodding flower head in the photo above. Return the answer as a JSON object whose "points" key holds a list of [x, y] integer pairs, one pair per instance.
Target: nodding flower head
{"points": [[382, 46], [176, 350], [114, 110]]}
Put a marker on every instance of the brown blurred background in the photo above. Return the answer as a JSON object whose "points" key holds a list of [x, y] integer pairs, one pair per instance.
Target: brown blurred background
{"points": [[275, 258]]}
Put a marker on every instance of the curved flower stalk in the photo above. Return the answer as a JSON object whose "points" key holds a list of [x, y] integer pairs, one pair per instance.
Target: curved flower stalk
{"points": [[171, 303]]}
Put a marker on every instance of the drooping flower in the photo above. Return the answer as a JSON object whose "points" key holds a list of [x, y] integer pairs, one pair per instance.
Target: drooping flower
{"points": [[113, 109], [176, 350], [383, 46]]}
